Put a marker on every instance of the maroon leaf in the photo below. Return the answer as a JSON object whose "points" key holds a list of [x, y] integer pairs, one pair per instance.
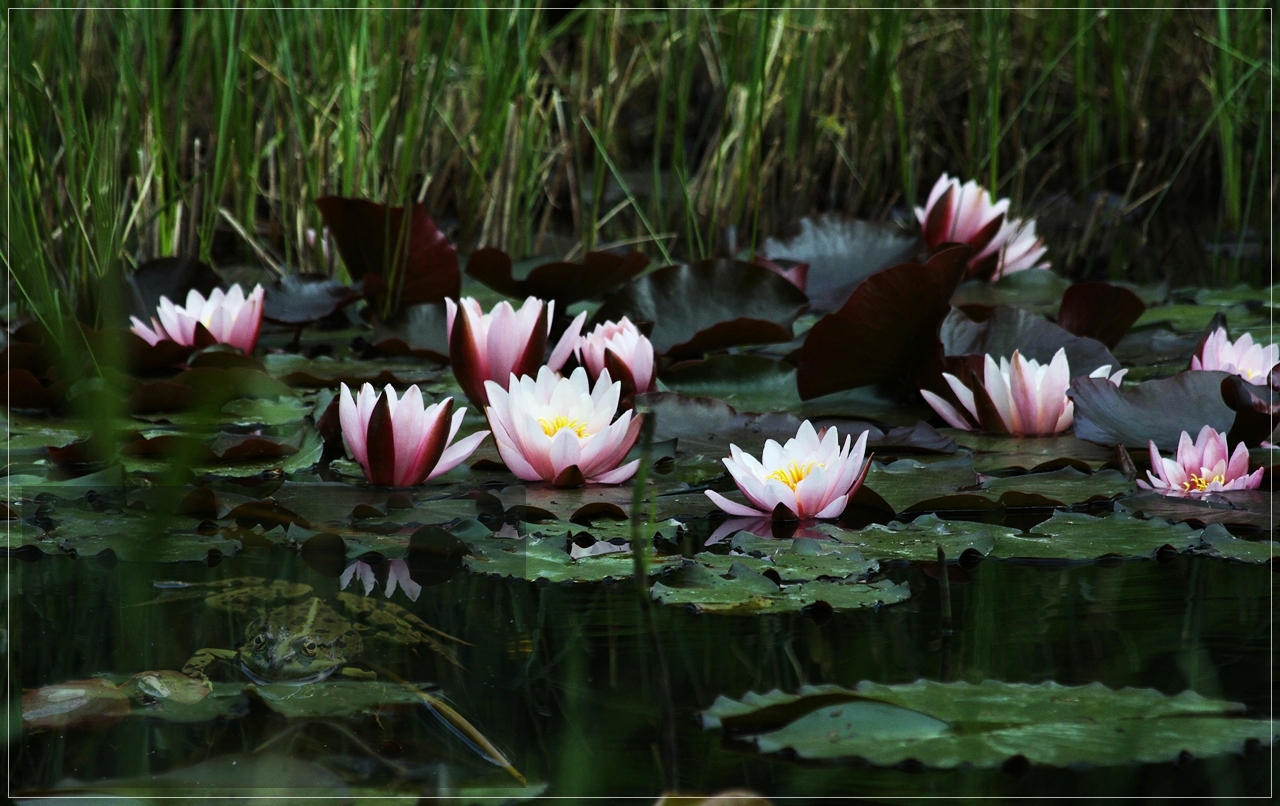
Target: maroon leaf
{"points": [[1100, 311], [171, 277], [381, 445], [886, 328], [563, 281], [379, 246], [296, 299], [1257, 410], [242, 447], [571, 476], [22, 390], [1005, 329], [1156, 411], [707, 306]]}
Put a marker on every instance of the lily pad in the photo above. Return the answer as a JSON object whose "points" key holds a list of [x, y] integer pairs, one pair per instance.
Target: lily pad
{"points": [[1156, 411], [1007, 329], [535, 558], [562, 281], [1037, 291], [996, 452], [705, 586], [335, 699], [297, 370], [708, 306], [946, 725], [841, 252], [1077, 536], [1066, 486], [1100, 311], [1238, 508], [1216, 541], [746, 382], [918, 540]]}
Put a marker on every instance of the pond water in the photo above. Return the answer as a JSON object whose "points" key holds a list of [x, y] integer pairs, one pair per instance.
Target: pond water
{"points": [[588, 689]]}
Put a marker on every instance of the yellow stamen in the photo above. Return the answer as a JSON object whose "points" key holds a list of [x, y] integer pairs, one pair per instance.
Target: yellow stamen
{"points": [[1201, 483], [554, 426], [792, 474]]}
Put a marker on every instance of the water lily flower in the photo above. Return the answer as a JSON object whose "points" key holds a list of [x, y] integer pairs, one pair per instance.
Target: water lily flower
{"points": [[956, 213], [812, 476], [398, 442], [623, 350], [1242, 357], [1027, 399], [226, 317], [358, 570], [562, 430], [1202, 467], [494, 346]]}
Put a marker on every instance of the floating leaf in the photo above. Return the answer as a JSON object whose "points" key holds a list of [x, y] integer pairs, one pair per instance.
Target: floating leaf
{"points": [[1066, 486], [1216, 541], [1037, 291], [75, 704], [907, 484], [416, 330], [297, 299], [841, 252], [1000, 452], [564, 282], [746, 382], [297, 370], [708, 306], [918, 540], [947, 725], [1156, 411], [533, 558], [1007, 329], [1077, 536], [884, 330], [1240, 508]]}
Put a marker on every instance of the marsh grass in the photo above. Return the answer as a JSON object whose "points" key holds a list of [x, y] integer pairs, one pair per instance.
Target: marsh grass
{"points": [[141, 133]]}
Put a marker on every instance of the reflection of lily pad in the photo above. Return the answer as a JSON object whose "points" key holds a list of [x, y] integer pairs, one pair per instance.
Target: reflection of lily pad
{"points": [[918, 540], [775, 576], [1076, 536], [946, 725], [533, 558], [1252, 508]]}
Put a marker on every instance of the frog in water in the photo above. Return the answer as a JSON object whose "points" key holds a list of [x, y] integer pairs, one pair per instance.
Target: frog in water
{"points": [[296, 638]]}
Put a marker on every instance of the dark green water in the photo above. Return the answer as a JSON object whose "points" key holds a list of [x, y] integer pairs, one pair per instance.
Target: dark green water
{"points": [[585, 697]]}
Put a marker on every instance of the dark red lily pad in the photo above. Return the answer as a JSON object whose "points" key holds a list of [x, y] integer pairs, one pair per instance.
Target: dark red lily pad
{"points": [[885, 330], [188, 449], [1158, 410], [245, 447], [1257, 410], [1101, 311], [840, 253], [297, 299], [708, 306], [565, 282], [379, 246], [24, 391], [171, 277], [1238, 509], [1005, 329]]}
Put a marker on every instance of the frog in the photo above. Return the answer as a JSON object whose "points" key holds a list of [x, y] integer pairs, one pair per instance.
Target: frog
{"points": [[297, 638]]}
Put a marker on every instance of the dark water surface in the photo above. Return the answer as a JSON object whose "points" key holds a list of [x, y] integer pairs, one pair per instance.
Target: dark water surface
{"points": [[586, 697]]}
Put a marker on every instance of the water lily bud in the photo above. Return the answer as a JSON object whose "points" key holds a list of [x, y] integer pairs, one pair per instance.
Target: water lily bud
{"points": [[224, 318], [956, 213], [622, 350]]}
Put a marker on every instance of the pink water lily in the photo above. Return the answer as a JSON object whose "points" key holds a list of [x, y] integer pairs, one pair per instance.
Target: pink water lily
{"points": [[956, 213], [495, 346], [1019, 396], [623, 350], [397, 573], [1242, 357], [811, 476], [225, 318], [399, 443], [1201, 467], [562, 430]]}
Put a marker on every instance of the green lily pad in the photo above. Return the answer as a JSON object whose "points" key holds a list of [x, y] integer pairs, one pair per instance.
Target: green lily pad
{"points": [[946, 725], [334, 699], [1077, 536], [795, 560], [298, 370], [743, 591], [1216, 541], [1058, 487], [532, 558], [134, 539], [907, 483], [746, 382], [1195, 318], [918, 540], [993, 452], [1038, 291]]}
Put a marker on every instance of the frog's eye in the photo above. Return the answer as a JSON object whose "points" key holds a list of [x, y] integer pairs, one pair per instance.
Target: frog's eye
{"points": [[309, 648], [259, 641]]}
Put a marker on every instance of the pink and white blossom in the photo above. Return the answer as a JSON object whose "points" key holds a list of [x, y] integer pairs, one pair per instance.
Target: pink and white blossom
{"points": [[965, 213], [400, 443], [495, 346], [397, 574], [227, 317], [623, 350], [811, 476], [562, 430], [1028, 398], [1242, 357], [1201, 467]]}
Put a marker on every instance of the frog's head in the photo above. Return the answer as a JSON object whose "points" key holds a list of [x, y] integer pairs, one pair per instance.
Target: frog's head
{"points": [[283, 648]]}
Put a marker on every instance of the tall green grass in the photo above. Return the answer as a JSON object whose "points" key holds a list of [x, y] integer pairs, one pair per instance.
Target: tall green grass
{"points": [[686, 132]]}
